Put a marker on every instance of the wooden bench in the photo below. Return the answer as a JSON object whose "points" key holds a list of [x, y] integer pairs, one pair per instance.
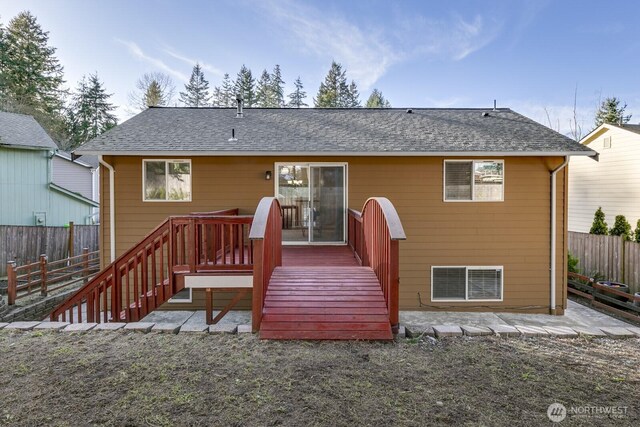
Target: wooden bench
{"points": [[239, 283]]}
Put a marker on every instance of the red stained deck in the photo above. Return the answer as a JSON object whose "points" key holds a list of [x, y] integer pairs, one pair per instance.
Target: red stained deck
{"points": [[321, 292]]}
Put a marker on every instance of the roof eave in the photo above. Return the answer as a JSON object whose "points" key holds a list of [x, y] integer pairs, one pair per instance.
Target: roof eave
{"points": [[588, 153]]}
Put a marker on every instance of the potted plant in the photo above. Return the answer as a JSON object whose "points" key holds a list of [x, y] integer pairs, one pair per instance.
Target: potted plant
{"points": [[614, 285]]}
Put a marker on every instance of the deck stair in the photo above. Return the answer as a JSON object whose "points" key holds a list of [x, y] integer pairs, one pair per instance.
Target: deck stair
{"points": [[339, 303]]}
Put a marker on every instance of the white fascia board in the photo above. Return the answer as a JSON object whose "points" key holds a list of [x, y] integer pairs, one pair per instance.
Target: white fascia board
{"points": [[589, 153]]}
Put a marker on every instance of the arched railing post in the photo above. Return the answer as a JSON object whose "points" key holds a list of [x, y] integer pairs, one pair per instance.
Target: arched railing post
{"points": [[382, 231]]}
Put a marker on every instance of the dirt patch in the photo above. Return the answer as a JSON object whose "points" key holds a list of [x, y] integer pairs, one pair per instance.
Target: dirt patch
{"points": [[160, 380]]}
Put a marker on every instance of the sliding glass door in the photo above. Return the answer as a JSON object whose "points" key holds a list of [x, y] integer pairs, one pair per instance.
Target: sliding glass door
{"points": [[313, 201]]}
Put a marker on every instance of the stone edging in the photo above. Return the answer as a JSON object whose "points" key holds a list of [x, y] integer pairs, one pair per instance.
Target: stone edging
{"points": [[437, 331]]}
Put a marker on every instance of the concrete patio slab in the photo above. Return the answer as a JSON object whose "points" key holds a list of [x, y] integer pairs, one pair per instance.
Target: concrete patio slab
{"points": [[532, 331], [22, 326], [52, 326], [223, 328], [110, 326], [616, 332], [561, 331], [589, 331], [143, 327], [505, 330], [447, 330], [3, 324], [194, 328], [166, 328], [166, 316], [244, 329], [422, 320], [419, 330], [79, 327], [634, 329], [475, 331]]}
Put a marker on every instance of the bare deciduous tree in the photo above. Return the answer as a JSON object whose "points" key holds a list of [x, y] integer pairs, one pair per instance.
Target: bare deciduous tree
{"points": [[152, 90]]}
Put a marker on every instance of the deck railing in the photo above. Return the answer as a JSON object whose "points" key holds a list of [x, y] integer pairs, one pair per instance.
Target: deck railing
{"points": [[50, 276], [355, 236], [266, 235], [382, 230], [143, 277]]}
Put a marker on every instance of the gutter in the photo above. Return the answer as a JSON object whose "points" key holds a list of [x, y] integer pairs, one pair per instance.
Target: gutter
{"points": [[112, 208], [552, 269], [396, 153]]}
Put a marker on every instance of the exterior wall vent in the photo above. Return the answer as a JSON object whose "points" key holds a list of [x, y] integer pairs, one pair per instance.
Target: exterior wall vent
{"points": [[607, 142]]}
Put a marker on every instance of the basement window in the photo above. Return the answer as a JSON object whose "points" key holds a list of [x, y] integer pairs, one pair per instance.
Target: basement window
{"points": [[166, 180], [466, 284], [473, 180]]}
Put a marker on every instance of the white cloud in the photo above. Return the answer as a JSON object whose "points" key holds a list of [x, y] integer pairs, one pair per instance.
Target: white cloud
{"points": [[191, 61], [367, 53], [137, 52]]}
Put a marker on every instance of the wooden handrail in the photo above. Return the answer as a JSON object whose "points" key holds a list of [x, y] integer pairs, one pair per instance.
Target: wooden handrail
{"points": [[355, 236], [382, 232], [144, 277], [266, 235]]}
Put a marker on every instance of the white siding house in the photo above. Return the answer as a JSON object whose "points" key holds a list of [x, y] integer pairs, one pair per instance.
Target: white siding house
{"points": [[79, 176], [612, 183]]}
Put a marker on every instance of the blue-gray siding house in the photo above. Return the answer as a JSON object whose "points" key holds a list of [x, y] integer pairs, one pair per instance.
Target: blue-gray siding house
{"points": [[29, 195]]}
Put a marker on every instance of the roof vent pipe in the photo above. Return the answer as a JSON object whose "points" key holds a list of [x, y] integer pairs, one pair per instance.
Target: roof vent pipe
{"points": [[409, 111], [495, 105], [233, 134], [239, 101]]}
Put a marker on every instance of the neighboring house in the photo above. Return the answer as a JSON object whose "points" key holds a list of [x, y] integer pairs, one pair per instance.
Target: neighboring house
{"points": [[472, 188], [79, 175], [29, 192], [612, 183]]}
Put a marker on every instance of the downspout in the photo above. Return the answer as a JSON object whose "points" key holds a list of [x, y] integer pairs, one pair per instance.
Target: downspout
{"points": [[552, 281], [112, 209]]}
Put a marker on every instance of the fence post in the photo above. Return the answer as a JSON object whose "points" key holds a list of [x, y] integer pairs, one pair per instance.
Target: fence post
{"points": [[85, 265], [71, 239], [12, 282], [43, 275]]}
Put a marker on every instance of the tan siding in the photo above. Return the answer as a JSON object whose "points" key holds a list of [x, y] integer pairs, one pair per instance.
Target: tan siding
{"points": [[513, 233]]}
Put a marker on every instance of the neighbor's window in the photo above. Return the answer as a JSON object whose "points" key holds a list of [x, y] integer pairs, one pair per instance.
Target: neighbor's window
{"points": [[466, 283], [474, 180], [167, 180]]}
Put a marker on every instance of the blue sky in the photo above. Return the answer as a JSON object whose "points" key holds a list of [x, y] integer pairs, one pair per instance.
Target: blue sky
{"points": [[529, 55]]}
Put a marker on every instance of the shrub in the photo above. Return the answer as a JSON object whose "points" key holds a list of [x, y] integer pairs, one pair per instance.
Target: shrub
{"points": [[572, 263], [599, 225], [621, 227], [637, 233]]}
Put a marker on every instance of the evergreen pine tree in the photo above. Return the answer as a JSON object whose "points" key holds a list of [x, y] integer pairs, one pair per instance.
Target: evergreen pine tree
{"points": [[637, 232], [216, 98], [245, 86], [152, 90], [196, 92], [296, 98], [265, 96], [227, 92], [31, 76], [376, 100], [599, 225], [90, 112], [621, 227], [277, 87], [611, 112], [335, 92]]}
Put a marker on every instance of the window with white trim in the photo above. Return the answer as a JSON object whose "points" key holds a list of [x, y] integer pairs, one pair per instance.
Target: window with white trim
{"points": [[474, 180], [166, 180], [466, 283]]}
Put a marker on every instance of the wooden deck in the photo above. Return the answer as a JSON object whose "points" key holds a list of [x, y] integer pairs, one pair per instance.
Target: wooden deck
{"points": [[321, 292]]}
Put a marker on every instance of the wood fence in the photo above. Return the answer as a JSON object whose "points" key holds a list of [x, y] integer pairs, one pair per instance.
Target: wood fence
{"points": [[25, 244], [609, 257]]}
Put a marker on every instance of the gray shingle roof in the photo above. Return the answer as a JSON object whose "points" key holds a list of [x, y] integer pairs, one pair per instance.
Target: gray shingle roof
{"points": [[20, 130], [632, 128], [331, 131]]}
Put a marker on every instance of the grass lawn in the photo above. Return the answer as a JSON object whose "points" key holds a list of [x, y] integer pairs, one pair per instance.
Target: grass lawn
{"points": [[160, 380]]}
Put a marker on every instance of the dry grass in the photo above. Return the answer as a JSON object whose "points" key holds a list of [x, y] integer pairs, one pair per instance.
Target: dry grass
{"points": [[161, 380]]}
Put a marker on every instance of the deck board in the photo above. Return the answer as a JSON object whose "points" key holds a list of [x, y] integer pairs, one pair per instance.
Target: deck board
{"points": [[321, 293]]}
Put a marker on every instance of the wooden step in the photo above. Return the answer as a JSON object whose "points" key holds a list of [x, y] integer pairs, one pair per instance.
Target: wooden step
{"points": [[325, 303]]}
